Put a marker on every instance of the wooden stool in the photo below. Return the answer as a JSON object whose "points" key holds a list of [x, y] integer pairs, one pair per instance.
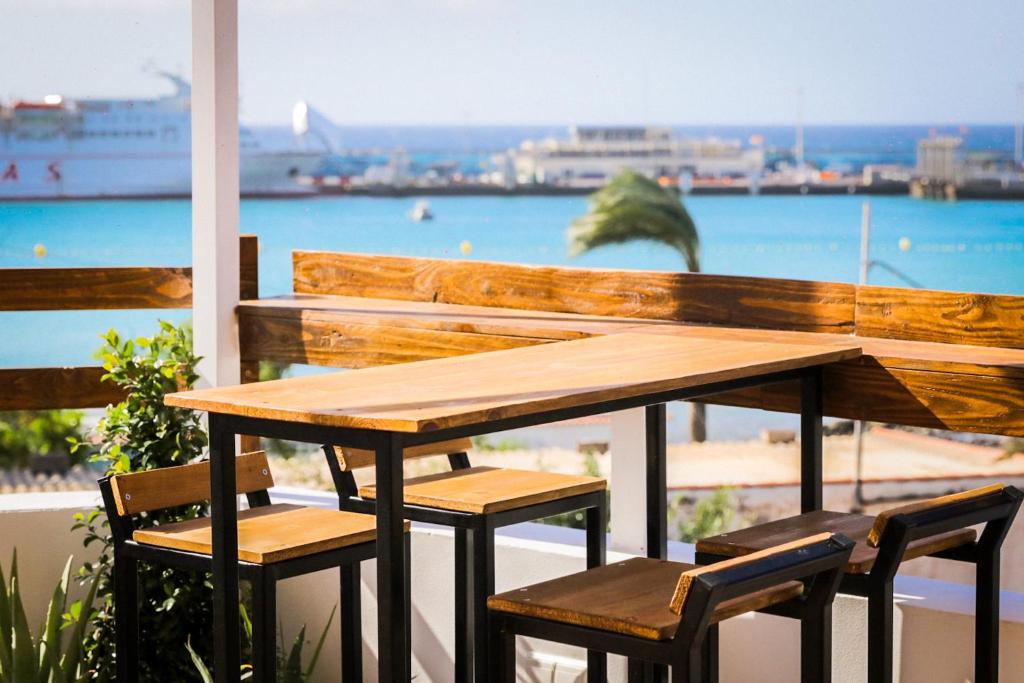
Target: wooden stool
{"points": [[274, 542], [937, 527], [661, 612], [475, 501]]}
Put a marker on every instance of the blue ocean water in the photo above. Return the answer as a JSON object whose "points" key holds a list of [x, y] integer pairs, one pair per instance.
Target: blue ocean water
{"points": [[975, 246]]}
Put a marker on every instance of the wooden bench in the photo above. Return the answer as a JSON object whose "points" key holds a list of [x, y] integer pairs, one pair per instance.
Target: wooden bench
{"points": [[945, 360]]}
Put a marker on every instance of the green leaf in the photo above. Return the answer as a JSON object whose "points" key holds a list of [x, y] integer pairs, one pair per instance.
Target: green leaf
{"points": [[204, 673], [23, 650], [50, 636], [319, 645], [6, 631]]}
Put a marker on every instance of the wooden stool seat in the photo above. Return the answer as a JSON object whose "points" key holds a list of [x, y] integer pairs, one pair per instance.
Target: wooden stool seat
{"points": [[485, 490], [270, 533], [854, 526], [631, 598]]}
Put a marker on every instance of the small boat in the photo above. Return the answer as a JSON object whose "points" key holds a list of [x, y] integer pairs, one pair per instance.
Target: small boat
{"points": [[421, 211]]}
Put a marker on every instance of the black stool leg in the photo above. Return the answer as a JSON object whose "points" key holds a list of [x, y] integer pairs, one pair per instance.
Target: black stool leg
{"points": [[986, 619], [639, 671], [816, 645], [709, 665], [126, 617], [503, 652], [463, 616], [351, 625], [597, 662], [264, 628], [408, 603], [880, 633], [483, 587], [686, 668]]}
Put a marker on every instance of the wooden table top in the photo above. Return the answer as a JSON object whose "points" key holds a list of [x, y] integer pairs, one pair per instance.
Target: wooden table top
{"points": [[486, 387]]}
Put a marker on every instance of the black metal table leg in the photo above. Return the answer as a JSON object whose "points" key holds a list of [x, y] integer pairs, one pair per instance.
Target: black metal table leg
{"points": [[224, 529], [657, 488], [392, 634], [463, 612], [657, 504], [483, 587], [811, 385]]}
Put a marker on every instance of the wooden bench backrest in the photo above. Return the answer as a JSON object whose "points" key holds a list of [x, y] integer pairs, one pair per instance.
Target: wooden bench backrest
{"points": [[771, 303], [185, 484], [691, 297], [355, 458], [687, 578], [882, 520]]}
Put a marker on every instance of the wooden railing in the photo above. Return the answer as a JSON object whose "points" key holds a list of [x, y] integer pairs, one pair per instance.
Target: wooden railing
{"points": [[102, 288], [946, 360]]}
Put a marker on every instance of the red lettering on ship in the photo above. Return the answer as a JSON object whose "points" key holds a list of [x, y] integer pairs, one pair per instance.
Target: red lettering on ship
{"points": [[11, 173], [54, 172]]}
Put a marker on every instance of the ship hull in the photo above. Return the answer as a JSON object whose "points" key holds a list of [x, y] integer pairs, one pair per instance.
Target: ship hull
{"points": [[86, 176]]}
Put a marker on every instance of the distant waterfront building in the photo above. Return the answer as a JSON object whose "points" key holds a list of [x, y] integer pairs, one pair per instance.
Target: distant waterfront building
{"points": [[592, 155], [940, 158]]}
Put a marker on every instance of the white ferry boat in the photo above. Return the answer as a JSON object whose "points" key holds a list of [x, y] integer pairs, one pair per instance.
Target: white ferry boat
{"points": [[61, 148], [593, 155]]}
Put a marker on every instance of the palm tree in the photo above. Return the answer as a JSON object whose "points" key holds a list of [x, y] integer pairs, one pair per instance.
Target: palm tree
{"points": [[634, 207]]}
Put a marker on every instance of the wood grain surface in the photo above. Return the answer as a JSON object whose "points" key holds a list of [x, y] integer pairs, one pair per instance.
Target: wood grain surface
{"points": [[485, 387], [486, 490], [631, 598], [322, 339], [272, 533], [937, 316], [184, 484], [356, 458], [53, 289], [856, 527], [692, 297], [45, 388]]}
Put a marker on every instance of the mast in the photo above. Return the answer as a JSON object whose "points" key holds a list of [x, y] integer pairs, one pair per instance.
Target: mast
{"points": [[798, 151], [1018, 129]]}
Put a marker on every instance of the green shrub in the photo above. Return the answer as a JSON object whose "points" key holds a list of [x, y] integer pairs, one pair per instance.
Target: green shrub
{"points": [[142, 433], [25, 434], [52, 656], [712, 515]]}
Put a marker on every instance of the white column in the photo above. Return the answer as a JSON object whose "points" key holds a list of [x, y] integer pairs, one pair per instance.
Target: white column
{"points": [[628, 482], [215, 189]]}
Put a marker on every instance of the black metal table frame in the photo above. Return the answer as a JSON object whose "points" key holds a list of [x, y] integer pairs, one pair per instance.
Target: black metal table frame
{"points": [[389, 446]]}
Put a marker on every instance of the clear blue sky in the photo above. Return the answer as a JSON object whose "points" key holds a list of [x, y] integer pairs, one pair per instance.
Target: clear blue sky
{"points": [[549, 61]]}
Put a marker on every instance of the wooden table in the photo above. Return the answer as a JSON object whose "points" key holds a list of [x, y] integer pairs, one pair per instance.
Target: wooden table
{"points": [[387, 409]]}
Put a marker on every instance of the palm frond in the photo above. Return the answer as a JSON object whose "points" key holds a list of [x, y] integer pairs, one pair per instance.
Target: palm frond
{"points": [[634, 207]]}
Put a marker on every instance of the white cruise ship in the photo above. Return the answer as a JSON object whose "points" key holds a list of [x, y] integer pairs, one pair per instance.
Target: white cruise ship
{"points": [[593, 155], [61, 148]]}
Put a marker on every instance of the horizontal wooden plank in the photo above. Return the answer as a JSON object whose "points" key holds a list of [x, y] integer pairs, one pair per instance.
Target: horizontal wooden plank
{"points": [[305, 337], [444, 317], [891, 353], [45, 388], [937, 316], [168, 487], [52, 289], [866, 390], [687, 297]]}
